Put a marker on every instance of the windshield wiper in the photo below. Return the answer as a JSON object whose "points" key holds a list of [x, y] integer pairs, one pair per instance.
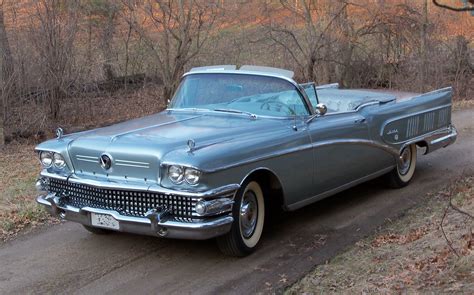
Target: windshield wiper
{"points": [[253, 116]]}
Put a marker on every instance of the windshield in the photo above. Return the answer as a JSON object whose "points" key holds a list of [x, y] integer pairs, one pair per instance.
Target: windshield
{"points": [[244, 93]]}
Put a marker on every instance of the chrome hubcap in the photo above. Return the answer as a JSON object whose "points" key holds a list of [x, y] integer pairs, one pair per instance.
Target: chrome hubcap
{"points": [[248, 214], [405, 162]]}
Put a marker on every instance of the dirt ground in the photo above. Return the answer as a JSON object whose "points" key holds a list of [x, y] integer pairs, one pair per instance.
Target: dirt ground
{"points": [[414, 254], [19, 168]]}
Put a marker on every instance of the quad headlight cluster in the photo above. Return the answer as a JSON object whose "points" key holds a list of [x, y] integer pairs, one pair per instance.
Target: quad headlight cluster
{"points": [[50, 159], [179, 174]]}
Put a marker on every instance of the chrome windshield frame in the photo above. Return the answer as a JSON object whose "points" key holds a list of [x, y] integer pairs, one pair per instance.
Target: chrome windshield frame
{"points": [[298, 88]]}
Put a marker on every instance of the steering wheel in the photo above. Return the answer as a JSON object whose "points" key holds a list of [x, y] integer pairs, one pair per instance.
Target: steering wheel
{"points": [[277, 105]]}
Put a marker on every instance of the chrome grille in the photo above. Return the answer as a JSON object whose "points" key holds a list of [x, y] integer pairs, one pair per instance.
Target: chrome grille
{"points": [[130, 203]]}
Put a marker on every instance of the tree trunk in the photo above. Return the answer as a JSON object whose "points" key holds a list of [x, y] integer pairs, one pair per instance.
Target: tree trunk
{"points": [[107, 38], [6, 71], [2, 120], [424, 41], [310, 75]]}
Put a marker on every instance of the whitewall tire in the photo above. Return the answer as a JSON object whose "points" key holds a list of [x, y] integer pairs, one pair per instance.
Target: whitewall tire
{"points": [[403, 173], [249, 216]]}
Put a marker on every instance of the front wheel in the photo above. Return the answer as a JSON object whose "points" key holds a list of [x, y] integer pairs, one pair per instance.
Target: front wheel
{"points": [[249, 215], [403, 173]]}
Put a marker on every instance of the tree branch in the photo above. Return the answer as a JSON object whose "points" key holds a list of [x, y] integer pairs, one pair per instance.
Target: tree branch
{"points": [[457, 9]]}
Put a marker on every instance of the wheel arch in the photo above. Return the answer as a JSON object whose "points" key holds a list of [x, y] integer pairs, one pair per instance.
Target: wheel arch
{"points": [[270, 184], [423, 144]]}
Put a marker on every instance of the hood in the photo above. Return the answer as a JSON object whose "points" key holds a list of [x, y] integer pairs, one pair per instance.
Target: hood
{"points": [[137, 147]]}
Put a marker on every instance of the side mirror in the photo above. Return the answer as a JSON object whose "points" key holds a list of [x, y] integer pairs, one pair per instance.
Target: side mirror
{"points": [[321, 109]]}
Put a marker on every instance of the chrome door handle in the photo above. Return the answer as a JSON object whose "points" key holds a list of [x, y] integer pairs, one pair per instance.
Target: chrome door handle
{"points": [[360, 120]]}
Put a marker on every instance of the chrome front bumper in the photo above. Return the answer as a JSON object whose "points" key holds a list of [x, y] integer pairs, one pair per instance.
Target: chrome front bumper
{"points": [[151, 225]]}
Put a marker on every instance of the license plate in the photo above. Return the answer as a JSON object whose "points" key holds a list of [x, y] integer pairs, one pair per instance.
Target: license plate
{"points": [[104, 220]]}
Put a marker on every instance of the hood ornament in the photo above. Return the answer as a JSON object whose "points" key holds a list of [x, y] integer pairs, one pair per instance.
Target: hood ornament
{"points": [[59, 132], [191, 145]]}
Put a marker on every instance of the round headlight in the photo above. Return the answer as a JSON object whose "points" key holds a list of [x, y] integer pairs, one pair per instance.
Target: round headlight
{"points": [[46, 159], [176, 174], [58, 161], [192, 176]]}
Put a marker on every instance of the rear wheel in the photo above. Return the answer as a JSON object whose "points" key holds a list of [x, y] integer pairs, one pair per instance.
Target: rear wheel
{"points": [[249, 216], [96, 230], [403, 173]]}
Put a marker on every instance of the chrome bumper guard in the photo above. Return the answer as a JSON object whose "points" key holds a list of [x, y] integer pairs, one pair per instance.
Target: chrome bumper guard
{"points": [[441, 139], [156, 223]]}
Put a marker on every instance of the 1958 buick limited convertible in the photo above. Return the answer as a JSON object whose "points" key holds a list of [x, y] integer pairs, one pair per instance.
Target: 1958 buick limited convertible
{"points": [[232, 144]]}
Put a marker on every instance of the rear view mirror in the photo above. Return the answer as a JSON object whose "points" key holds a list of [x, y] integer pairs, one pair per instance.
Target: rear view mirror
{"points": [[321, 109]]}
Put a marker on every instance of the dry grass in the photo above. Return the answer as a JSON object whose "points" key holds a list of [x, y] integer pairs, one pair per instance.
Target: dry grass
{"points": [[464, 104], [410, 256], [18, 171]]}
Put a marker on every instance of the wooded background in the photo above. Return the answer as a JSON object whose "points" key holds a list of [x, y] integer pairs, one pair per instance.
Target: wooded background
{"points": [[82, 64]]}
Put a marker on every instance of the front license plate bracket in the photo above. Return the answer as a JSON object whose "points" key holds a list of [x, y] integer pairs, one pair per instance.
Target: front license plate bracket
{"points": [[104, 221]]}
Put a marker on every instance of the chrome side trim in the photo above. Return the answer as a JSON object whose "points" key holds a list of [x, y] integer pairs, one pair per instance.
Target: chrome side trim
{"points": [[384, 147], [334, 191], [118, 162], [133, 162], [426, 136], [391, 150], [136, 164], [382, 128], [87, 157], [435, 139], [131, 165]]}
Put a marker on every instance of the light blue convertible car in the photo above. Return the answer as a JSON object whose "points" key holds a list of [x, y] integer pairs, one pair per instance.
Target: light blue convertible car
{"points": [[232, 144]]}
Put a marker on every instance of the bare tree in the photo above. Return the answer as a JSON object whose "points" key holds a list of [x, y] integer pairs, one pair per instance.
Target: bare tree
{"points": [[304, 45], [53, 31], [179, 30], [423, 47], [109, 11], [454, 8], [103, 18], [322, 33]]}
